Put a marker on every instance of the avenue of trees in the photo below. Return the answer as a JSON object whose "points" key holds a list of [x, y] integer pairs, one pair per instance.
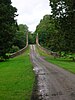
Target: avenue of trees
{"points": [[57, 31]]}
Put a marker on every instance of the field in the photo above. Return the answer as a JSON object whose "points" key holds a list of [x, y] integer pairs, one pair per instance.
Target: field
{"points": [[65, 63], [16, 78]]}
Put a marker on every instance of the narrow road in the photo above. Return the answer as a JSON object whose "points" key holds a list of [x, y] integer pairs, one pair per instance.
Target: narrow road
{"points": [[54, 83]]}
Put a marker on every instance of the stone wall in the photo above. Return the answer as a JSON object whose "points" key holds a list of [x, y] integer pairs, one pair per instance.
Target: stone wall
{"points": [[18, 52], [55, 54]]}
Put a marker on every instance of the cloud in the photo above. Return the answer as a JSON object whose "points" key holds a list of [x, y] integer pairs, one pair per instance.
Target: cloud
{"points": [[31, 12]]}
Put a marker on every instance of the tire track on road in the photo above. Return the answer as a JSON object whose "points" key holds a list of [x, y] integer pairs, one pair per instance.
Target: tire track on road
{"points": [[54, 83]]}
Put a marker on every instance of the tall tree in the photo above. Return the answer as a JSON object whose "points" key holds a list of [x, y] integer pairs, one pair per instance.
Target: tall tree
{"points": [[8, 26], [64, 13]]}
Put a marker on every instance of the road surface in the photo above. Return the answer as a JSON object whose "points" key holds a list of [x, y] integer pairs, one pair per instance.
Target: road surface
{"points": [[54, 83]]}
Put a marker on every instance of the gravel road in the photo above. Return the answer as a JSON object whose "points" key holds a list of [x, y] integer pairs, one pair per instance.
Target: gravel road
{"points": [[54, 83]]}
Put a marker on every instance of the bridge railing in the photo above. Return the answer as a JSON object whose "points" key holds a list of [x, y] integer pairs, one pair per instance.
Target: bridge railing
{"points": [[55, 54], [21, 50], [18, 52]]}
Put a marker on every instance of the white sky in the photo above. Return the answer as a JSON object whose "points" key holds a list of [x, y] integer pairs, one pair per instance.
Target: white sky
{"points": [[31, 11]]}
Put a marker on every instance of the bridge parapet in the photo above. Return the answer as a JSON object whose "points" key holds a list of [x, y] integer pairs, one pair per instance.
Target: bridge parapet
{"points": [[55, 54]]}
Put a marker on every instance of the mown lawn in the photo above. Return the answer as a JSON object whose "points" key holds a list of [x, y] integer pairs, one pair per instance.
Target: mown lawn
{"points": [[65, 63], [16, 78]]}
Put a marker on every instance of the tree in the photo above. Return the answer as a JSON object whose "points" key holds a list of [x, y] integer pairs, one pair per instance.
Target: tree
{"points": [[20, 37], [31, 38], [8, 26], [47, 32], [63, 12]]}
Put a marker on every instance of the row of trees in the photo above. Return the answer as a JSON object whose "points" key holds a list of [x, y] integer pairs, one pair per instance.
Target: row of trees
{"points": [[19, 40], [12, 36], [46, 30], [8, 26], [57, 31]]}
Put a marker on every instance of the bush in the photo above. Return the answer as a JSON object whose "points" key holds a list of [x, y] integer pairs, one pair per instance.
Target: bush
{"points": [[14, 49]]}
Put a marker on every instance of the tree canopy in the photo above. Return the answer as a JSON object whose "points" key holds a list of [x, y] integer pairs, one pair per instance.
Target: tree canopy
{"points": [[20, 36], [8, 26], [64, 13], [57, 31], [46, 30]]}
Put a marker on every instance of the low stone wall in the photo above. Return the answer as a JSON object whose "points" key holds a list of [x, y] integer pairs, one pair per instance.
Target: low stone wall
{"points": [[55, 54], [18, 52], [43, 49]]}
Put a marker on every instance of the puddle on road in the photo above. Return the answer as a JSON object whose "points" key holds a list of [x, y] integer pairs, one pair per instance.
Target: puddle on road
{"points": [[39, 71], [42, 87]]}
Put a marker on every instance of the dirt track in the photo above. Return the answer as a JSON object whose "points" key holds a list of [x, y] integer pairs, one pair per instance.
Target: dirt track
{"points": [[54, 83]]}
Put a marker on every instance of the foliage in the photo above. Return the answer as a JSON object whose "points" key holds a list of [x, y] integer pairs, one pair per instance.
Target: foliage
{"points": [[47, 32], [8, 26], [14, 49], [20, 37], [64, 13], [31, 38], [57, 31]]}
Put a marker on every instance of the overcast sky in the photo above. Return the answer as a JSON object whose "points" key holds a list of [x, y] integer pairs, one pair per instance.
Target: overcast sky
{"points": [[31, 11]]}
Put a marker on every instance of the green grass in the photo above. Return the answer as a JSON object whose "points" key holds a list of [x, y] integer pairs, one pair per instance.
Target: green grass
{"points": [[65, 63], [16, 78]]}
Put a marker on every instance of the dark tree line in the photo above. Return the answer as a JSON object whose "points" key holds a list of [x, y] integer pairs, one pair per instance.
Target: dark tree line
{"points": [[64, 13], [8, 26], [12, 36], [57, 31]]}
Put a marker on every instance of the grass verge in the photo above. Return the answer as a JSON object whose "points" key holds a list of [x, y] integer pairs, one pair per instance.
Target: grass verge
{"points": [[65, 63], [16, 78]]}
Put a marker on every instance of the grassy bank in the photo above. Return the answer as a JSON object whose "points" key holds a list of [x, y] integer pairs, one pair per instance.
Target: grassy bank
{"points": [[65, 63], [16, 78]]}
